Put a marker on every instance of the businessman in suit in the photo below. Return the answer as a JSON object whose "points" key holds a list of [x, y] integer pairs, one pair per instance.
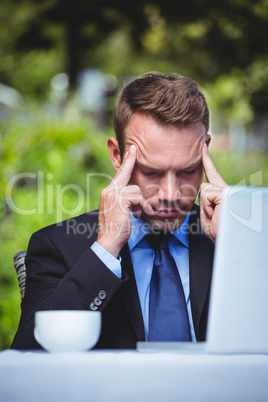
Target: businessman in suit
{"points": [[103, 260]]}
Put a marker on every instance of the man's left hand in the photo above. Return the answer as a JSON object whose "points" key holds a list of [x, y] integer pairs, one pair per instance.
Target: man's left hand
{"points": [[210, 196]]}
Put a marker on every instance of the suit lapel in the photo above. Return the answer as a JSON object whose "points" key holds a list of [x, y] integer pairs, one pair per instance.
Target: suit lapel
{"points": [[129, 295], [201, 251]]}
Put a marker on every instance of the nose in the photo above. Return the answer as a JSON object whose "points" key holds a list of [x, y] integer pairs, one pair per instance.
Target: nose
{"points": [[169, 189]]}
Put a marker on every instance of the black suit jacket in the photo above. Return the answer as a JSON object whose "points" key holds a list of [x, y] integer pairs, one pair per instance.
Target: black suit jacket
{"points": [[63, 273]]}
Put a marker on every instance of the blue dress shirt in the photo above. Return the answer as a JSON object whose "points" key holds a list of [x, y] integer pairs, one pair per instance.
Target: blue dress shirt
{"points": [[143, 258]]}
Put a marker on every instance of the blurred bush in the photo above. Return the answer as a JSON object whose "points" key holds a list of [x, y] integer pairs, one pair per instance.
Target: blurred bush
{"points": [[54, 167], [46, 166]]}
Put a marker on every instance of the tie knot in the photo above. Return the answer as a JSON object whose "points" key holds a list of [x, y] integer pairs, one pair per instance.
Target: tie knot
{"points": [[157, 241]]}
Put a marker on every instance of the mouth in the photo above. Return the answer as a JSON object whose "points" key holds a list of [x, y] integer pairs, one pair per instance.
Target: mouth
{"points": [[166, 213]]}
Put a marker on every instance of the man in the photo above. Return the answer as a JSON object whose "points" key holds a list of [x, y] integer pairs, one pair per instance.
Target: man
{"points": [[159, 154]]}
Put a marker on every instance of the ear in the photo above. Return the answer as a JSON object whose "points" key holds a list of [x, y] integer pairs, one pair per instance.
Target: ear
{"points": [[114, 152], [208, 139]]}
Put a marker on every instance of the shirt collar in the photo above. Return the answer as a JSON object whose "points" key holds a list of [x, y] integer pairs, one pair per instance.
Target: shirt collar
{"points": [[140, 228]]}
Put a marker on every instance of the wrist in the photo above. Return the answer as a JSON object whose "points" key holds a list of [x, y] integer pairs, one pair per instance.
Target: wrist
{"points": [[110, 245]]}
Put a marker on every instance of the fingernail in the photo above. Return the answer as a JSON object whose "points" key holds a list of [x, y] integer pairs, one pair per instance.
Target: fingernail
{"points": [[131, 149], [150, 211], [205, 145]]}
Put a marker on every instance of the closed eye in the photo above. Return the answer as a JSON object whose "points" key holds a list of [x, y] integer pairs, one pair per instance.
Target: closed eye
{"points": [[189, 171], [192, 169], [147, 170], [149, 173]]}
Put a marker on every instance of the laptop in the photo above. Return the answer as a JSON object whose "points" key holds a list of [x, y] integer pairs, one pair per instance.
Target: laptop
{"points": [[238, 311]]}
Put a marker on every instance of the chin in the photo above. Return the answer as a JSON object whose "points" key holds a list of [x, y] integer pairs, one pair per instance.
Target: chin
{"points": [[163, 225]]}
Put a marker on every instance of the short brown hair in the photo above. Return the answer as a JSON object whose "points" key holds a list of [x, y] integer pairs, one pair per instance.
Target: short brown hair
{"points": [[171, 99]]}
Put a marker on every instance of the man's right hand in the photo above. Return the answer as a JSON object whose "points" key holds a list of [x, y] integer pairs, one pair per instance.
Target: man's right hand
{"points": [[117, 200]]}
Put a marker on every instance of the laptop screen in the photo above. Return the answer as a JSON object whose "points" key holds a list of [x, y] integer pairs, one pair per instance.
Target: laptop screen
{"points": [[238, 313]]}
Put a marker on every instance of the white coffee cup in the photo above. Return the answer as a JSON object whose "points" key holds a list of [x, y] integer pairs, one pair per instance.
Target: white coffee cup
{"points": [[67, 330]]}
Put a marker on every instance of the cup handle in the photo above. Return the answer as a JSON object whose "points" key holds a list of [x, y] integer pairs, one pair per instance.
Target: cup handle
{"points": [[36, 335]]}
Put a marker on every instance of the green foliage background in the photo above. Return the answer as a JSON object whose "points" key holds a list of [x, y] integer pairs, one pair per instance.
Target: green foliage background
{"points": [[62, 150]]}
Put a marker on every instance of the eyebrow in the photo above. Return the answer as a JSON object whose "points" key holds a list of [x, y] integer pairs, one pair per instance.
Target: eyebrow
{"points": [[154, 170], [146, 167], [193, 165]]}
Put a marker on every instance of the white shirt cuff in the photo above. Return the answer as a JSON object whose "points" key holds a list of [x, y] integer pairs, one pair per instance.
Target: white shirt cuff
{"points": [[114, 264]]}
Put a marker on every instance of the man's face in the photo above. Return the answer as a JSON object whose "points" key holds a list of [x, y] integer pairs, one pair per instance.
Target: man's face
{"points": [[168, 169]]}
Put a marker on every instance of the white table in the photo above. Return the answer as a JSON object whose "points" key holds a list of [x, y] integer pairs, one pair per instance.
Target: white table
{"points": [[130, 376]]}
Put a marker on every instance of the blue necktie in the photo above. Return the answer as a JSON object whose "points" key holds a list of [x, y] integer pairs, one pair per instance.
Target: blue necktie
{"points": [[168, 318]]}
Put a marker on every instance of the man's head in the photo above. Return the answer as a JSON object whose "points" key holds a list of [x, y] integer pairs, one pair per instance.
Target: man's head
{"points": [[171, 100], [167, 119]]}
